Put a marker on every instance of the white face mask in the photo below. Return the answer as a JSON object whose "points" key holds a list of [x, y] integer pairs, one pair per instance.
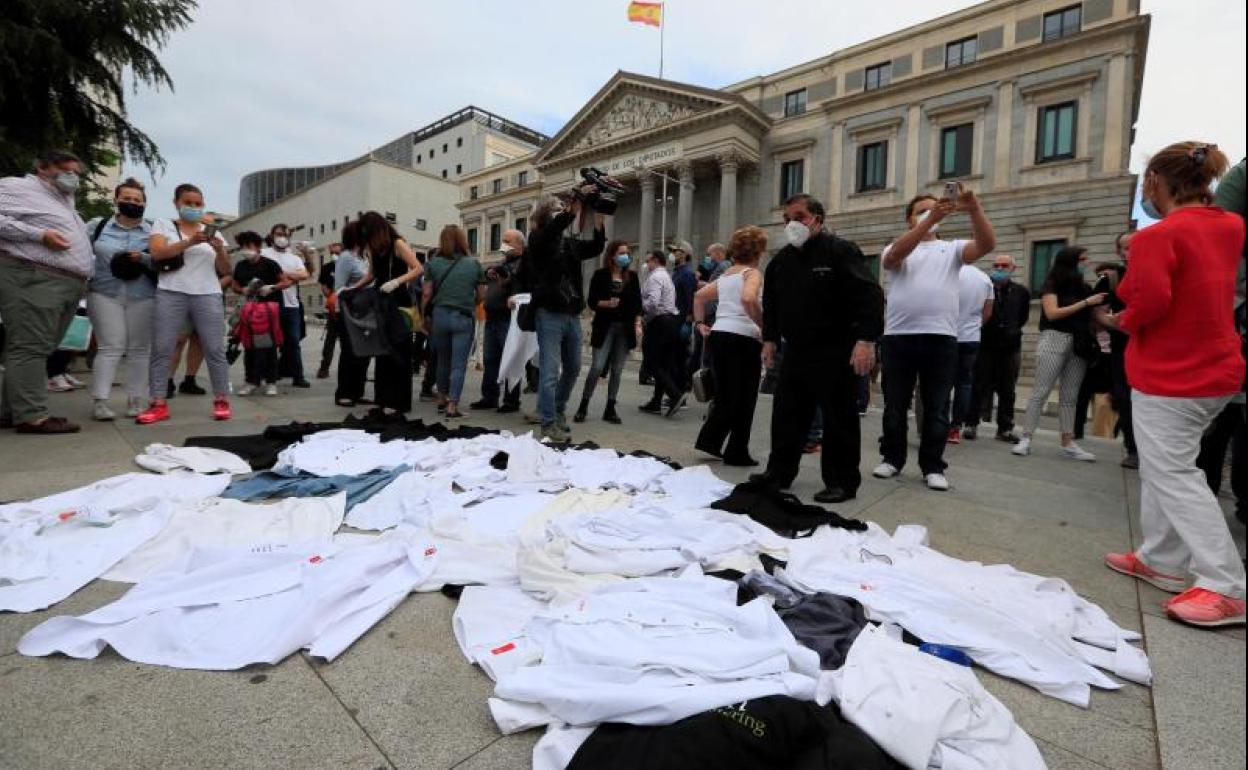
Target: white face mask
{"points": [[923, 218], [281, 241], [796, 233], [506, 250]]}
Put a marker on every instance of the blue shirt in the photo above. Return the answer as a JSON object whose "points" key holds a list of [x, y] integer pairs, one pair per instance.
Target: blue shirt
{"points": [[686, 282], [348, 269], [114, 238]]}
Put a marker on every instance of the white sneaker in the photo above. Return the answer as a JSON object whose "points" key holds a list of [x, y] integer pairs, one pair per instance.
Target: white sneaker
{"points": [[1076, 452], [885, 471], [102, 412], [271, 389], [246, 390], [135, 406], [937, 482], [59, 384], [73, 381], [1023, 447]]}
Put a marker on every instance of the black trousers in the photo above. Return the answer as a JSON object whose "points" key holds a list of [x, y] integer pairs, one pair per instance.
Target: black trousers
{"points": [[392, 377], [1120, 392], [1095, 381], [1230, 428], [327, 349], [735, 365], [932, 361], [819, 378], [352, 370], [996, 373], [259, 365], [665, 356]]}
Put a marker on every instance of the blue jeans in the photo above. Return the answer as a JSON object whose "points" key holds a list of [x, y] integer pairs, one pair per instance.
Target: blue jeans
{"points": [[963, 384], [559, 351], [608, 358], [495, 340], [452, 339]]}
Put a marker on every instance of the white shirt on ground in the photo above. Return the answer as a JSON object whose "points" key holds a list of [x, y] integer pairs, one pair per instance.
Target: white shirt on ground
{"points": [[923, 290], [199, 274], [974, 289]]}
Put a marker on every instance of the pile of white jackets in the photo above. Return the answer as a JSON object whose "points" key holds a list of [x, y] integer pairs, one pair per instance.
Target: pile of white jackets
{"points": [[587, 598]]}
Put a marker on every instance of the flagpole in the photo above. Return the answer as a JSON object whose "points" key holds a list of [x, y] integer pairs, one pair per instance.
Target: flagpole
{"points": [[662, 24]]}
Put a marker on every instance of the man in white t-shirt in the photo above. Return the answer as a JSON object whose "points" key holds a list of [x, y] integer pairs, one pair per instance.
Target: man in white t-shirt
{"points": [[920, 340], [290, 363], [974, 310]]}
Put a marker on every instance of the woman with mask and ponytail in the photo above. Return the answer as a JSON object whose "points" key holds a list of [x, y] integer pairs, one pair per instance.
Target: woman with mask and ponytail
{"points": [[120, 299], [189, 262], [1184, 364], [615, 296]]}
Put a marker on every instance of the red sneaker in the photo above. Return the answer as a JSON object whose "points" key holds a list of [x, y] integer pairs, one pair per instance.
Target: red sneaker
{"points": [[1209, 609], [159, 410], [221, 409], [955, 436], [1130, 564]]}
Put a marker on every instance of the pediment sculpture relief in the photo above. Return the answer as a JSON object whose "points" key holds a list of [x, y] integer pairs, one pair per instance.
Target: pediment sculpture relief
{"points": [[630, 115]]}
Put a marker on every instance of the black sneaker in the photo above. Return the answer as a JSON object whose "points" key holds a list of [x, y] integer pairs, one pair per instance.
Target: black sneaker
{"points": [[301, 384], [483, 404], [652, 407], [677, 404], [508, 408], [190, 387], [970, 433], [427, 395], [171, 390]]}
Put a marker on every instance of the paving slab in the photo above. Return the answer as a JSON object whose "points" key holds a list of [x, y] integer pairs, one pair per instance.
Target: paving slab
{"points": [[1199, 696], [111, 713]]}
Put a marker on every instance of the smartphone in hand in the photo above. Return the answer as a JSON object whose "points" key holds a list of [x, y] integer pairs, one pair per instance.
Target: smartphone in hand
{"points": [[952, 191]]}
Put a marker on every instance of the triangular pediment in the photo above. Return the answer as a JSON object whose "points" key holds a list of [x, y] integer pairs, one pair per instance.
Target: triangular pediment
{"points": [[632, 105]]}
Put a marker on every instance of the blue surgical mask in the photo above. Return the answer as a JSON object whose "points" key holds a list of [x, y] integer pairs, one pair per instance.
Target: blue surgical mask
{"points": [[66, 181], [190, 214], [1149, 209], [623, 260], [707, 263], [999, 276]]}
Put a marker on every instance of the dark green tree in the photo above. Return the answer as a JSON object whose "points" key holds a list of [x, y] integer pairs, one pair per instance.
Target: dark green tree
{"points": [[63, 65]]}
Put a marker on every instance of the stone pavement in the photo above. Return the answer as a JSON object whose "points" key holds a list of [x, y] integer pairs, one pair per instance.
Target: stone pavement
{"points": [[404, 697]]}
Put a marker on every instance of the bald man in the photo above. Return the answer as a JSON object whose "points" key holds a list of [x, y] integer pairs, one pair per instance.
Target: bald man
{"points": [[1000, 351], [501, 284]]}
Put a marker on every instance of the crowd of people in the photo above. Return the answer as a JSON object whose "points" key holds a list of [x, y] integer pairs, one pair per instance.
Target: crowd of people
{"points": [[1164, 338]]}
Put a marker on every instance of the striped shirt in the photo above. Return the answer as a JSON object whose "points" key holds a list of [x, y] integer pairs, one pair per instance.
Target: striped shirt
{"points": [[28, 207]]}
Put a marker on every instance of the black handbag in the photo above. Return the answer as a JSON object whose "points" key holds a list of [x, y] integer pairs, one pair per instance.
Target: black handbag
{"points": [[1086, 346], [363, 315]]}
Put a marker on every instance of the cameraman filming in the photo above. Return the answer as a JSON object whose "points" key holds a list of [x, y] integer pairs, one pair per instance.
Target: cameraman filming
{"points": [[560, 240], [501, 283]]}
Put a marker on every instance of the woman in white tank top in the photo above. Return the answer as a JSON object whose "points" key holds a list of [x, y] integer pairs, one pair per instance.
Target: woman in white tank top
{"points": [[734, 346]]}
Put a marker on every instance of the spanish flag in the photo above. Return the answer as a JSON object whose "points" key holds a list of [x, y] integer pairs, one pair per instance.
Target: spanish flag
{"points": [[646, 13]]}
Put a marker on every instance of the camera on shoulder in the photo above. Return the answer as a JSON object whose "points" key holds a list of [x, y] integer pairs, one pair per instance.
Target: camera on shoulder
{"points": [[605, 199]]}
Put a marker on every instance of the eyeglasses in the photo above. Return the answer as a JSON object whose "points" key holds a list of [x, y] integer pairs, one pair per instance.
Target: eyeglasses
{"points": [[1002, 267]]}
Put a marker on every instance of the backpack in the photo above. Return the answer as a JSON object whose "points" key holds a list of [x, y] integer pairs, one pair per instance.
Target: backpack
{"points": [[258, 325]]}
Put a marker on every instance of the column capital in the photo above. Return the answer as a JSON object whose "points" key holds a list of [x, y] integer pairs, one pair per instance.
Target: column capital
{"points": [[684, 171], [728, 161]]}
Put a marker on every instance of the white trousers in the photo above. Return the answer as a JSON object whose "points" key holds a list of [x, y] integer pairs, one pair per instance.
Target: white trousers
{"points": [[1184, 528], [122, 327]]}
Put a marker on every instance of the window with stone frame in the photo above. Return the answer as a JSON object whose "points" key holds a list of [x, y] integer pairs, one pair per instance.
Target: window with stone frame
{"points": [[873, 166], [878, 76], [957, 148], [792, 178], [1057, 132]]}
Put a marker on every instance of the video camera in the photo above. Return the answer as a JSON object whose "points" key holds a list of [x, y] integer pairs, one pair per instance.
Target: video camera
{"points": [[606, 198]]}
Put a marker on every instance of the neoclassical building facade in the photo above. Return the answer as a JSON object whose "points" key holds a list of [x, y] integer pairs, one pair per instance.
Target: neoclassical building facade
{"points": [[1031, 103]]}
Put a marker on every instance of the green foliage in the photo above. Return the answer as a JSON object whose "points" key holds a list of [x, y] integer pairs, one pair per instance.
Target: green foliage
{"points": [[62, 64]]}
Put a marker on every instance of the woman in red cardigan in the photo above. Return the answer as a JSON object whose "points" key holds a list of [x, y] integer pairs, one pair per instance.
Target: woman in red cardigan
{"points": [[1184, 364]]}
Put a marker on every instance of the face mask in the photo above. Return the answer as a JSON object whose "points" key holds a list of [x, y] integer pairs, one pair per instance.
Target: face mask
{"points": [[707, 263], [999, 276], [131, 210], [507, 250], [923, 218], [281, 241], [66, 181], [796, 233], [253, 255], [623, 260], [190, 214], [1150, 210]]}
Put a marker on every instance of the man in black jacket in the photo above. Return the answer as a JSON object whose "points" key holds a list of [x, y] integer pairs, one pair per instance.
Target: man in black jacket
{"points": [[502, 284], [1000, 352], [822, 300], [556, 248]]}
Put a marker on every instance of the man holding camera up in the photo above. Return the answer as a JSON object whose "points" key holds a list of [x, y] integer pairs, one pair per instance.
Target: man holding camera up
{"points": [[500, 287], [564, 234], [920, 340]]}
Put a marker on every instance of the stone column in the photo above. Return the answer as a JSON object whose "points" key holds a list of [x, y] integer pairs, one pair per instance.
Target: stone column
{"points": [[1002, 157], [728, 164], [833, 202], [645, 217], [1118, 77], [684, 204], [914, 119]]}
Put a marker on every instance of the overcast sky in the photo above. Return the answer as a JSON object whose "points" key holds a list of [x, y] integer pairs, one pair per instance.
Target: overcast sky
{"points": [[291, 83]]}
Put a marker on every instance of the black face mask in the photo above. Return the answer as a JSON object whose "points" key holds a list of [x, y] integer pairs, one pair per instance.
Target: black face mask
{"points": [[131, 210]]}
